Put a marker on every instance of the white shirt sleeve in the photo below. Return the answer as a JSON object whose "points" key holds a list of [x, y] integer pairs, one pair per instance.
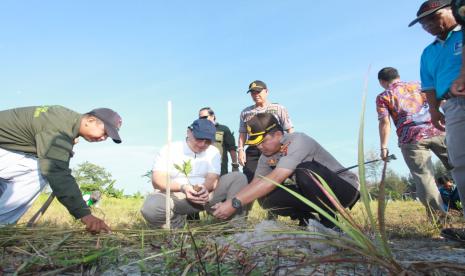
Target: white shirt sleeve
{"points": [[160, 160]]}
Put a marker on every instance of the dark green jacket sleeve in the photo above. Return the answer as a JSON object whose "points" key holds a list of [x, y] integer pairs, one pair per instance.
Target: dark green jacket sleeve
{"points": [[229, 141], [54, 151]]}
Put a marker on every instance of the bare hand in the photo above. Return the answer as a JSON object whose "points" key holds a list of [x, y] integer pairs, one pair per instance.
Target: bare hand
{"points": [[198, 197], [223, 210], [458, 86], [241, 157], [95, 225], [437, 118]]}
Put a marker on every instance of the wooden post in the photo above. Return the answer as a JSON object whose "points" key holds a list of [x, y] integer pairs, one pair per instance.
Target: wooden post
{"points": [[168, 177], [41, 211]]}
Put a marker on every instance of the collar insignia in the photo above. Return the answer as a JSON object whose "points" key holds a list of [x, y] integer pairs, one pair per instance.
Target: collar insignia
{"points": [[284, 149]]}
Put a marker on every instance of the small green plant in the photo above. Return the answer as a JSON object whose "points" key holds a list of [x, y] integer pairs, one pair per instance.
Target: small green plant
{"points": [[185, 168]]}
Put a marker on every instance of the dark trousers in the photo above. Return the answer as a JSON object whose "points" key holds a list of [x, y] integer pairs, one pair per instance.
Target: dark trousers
{"points": [[252, 154], [283, 203]]}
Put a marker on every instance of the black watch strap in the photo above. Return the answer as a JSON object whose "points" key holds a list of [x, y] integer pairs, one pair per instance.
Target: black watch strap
{"points": [[236, 203]]}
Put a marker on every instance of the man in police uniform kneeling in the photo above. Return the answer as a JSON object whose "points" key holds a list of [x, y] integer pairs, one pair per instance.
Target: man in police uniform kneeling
{"points": [[286, 155]]}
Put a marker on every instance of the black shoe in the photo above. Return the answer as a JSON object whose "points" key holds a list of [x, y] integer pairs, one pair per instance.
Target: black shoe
{"points": [[455, 234], [327, 223], [303, 220], [194, 216]]}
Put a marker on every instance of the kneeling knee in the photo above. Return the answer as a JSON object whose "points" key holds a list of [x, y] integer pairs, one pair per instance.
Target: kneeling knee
{"points": [[153, 213]]}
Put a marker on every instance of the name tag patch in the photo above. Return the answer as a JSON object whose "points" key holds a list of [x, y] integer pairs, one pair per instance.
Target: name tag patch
{"points": [[457, 48]]}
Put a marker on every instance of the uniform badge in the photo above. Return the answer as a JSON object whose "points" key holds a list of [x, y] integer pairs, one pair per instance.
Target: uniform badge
{"points": [[284, 149], [272, 162]]}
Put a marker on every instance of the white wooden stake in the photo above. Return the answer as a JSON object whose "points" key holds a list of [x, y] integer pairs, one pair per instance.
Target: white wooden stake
{"points": [[169, 165]]}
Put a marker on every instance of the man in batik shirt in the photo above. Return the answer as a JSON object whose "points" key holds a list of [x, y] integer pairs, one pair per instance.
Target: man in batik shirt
{"points": [[408, 108]]}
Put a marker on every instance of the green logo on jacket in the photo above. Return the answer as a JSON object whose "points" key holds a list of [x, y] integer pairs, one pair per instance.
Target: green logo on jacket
{"points": [[40, 109]]}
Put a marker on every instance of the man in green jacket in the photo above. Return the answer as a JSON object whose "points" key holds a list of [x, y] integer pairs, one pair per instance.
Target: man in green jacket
{"points": [[224, 141], [36, 145]]}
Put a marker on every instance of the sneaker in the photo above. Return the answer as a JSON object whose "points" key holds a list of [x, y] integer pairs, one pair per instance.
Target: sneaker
{"points": [[455, 234]]}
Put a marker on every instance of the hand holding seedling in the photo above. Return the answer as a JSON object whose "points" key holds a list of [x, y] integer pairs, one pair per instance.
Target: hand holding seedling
{"points": [[197, 194]]}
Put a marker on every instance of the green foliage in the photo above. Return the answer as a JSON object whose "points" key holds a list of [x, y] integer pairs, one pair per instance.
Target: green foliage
{"points": [[186, 167], [439, 169], [395, 186], [111, 191], [91, 177], [148, 174], [137, 195]]}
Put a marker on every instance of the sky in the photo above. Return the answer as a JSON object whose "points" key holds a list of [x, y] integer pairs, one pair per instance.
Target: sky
{"points": [[135, 56]]}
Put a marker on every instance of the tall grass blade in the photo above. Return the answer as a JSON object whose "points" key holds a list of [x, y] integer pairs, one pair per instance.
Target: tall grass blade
{"points": [[361, 171], [382, 210], [361, 240]]}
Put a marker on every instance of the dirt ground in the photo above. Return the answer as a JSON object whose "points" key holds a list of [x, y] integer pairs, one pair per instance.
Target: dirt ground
{"points": [[425, 256], [440, 255]]}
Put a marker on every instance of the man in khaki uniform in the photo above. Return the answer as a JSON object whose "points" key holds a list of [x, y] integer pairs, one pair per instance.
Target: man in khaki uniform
{"points": [[284, 155]]}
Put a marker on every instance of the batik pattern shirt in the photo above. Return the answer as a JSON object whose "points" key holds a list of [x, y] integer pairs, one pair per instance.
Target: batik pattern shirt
{"points": [[279, 111], [409, 110]]}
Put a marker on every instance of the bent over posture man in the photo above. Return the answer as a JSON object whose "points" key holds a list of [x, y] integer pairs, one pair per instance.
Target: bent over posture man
{"points": [[408, 108], [201, 188], [36, 145], [285, 155]]}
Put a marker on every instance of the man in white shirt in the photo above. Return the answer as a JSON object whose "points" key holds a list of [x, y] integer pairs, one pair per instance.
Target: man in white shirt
{"points": [[201, 188]]}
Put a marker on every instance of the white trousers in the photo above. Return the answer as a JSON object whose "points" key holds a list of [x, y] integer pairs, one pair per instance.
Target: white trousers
{"points": [[20, 184]]}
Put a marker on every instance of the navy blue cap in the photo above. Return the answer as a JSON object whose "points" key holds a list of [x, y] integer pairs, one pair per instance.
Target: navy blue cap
{"points": [[203, 129]]}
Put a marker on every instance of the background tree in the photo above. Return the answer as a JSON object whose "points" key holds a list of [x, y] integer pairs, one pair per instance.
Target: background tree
{"points": [[411, 186], [373, 170], [395, 185], [439, 169], [91, 177]]}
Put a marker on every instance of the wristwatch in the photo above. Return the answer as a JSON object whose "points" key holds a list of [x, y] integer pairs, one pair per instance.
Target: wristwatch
{"points": [[236, 203], [235, 165]]}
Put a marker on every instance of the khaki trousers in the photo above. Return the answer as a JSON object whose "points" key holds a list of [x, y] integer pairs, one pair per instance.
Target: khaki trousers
{"points": [[153, 209]]}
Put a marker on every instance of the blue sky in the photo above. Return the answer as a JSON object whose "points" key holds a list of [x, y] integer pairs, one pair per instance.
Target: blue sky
{"points": [[134, 56]]}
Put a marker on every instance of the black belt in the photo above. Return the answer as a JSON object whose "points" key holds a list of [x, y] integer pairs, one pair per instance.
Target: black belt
{"points": [[447, 95]]}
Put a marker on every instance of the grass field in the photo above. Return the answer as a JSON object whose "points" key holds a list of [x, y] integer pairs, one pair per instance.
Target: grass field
{"points": [[59, 244]]}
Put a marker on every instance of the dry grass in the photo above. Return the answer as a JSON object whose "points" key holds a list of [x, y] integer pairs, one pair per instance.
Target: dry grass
{"points": [[404, 218], [59, 244]]}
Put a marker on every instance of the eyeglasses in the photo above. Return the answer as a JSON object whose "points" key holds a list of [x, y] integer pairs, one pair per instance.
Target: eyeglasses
{"points": [[203, 117]]}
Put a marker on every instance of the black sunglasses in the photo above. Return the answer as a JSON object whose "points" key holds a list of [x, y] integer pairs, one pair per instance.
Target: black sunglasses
{"points": [[203, 117]]}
